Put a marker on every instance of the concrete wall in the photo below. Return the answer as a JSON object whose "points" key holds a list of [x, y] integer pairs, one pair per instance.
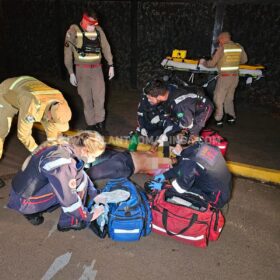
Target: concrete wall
{"points": [[141, 34]]}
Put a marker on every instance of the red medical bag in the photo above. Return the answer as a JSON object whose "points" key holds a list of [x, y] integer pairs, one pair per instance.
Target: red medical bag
{"points": [[186, 217], [213, 138]]}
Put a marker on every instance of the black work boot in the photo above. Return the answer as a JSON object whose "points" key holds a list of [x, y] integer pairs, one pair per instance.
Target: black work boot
{"points": [[100, 127], [35, 219], [91, 127], [220, 123], [231, 120], [79, 226]]}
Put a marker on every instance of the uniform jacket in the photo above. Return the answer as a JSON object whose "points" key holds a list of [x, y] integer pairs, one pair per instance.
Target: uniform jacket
{"points": [[188, 110], [202, 169], [217, 58], [69, 48], [57, 167], [31, 98]]}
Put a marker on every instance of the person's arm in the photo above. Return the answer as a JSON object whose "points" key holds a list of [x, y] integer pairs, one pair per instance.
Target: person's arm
{"points": [[68, 49], [106, 49], [244, 57], [26, 119], [215, 59]]}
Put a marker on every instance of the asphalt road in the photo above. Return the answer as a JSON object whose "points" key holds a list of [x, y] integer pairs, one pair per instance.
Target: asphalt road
{"points": [[247, 249]]}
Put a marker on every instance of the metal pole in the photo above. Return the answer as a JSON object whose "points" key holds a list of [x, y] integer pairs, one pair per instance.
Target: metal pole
{"points": [[218, 25], [133, 44]]}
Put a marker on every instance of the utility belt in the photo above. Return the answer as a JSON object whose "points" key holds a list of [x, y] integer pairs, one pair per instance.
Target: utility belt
{"points": [[89, 65], [228, 75]]}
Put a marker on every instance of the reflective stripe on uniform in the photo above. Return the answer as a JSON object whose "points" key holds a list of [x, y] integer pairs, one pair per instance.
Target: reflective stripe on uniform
{"points": [[183, 97], [188, 127], [229, 68], [177, 187], [83, 184], [232, 50], [140, 114], [73, 207], [17, 81], [56, 163]]}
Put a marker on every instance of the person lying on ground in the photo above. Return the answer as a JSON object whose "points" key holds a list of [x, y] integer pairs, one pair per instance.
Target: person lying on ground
{"points": [[115, 164]]}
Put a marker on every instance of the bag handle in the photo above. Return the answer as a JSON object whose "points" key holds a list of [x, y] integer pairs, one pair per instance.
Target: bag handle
{"points": [[164, 222]]}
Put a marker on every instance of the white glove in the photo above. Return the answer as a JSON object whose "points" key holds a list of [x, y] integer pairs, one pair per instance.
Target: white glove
{"points": [[111, 72], [162, 138], [73, 80], [155, 120], [202, 61], [144, 132]]}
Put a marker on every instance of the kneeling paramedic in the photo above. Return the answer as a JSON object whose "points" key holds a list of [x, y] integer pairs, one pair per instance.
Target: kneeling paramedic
{"points": [[202, 170], [54, 176], [189, 108], [34, 101]]}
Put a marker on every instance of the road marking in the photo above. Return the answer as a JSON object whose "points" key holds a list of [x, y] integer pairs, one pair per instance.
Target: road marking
{"points": [[89, 273], [52, 230], [58, 264], [240, 169]]}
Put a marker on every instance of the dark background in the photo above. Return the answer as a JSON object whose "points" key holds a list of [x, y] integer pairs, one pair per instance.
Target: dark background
{"points": [[141, 34]]}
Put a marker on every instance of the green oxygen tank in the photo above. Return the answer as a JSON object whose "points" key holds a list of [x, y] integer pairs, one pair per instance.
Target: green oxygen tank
{"points": [[133, 141]]}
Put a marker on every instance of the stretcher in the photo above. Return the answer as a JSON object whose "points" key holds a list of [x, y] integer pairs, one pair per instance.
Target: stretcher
{"points": [[252, 72]]}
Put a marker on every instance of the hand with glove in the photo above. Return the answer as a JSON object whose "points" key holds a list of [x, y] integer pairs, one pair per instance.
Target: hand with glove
{"points": [[202, 61], [97, 212], [73, 80], [155, 120], [159, 178], [144, 132], [162, 138], [111, 72], [155, 185]]}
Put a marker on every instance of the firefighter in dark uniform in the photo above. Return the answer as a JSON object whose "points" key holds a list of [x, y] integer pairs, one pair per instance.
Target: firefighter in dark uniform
{"points": [[189, 108], [84, 45], [202, 170], [54, 177]]}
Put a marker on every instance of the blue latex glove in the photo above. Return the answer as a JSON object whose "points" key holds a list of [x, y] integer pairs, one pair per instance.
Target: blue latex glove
{"points": [[159, 178], [155, 185]]}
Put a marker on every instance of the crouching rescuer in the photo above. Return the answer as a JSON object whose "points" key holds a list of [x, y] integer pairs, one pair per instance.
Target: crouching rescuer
{"points": [[54, 177], [33, 101], [202, 170]]}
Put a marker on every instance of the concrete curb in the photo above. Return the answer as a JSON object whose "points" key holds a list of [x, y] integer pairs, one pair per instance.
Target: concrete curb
{"points": [[239, 169]]}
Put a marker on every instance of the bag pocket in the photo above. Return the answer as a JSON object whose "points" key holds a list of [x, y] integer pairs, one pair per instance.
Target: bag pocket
{"points": [[124, 229]]}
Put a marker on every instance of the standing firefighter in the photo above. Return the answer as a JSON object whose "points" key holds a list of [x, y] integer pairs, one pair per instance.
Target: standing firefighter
{"points": [[84, 43], [35, 102], [227, 58]]}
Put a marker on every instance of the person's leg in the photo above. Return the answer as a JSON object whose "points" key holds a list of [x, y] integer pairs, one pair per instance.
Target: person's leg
{"points": [[98, 94], [121, 165], [84, 90], [7, 113], [229, 99], [219, 98], [33, 207]]}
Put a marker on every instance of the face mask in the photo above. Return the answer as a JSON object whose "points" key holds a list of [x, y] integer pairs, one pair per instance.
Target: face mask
{"points": [[88, 159]]}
